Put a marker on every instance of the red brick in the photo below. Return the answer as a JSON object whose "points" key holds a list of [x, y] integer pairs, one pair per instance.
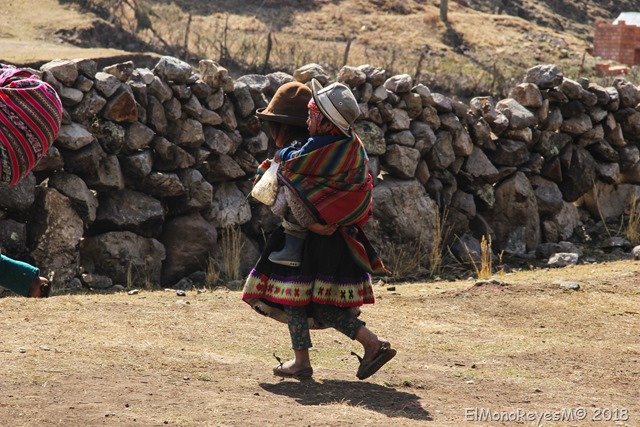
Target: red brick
{"points": [[617, 42]]}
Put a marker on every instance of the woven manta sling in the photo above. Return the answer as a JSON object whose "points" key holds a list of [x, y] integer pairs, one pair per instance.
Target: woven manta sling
{"points": [[30, 116]]}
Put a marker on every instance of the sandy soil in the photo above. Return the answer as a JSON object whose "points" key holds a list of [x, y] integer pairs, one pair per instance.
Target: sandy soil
{"points": [[523, 348]]}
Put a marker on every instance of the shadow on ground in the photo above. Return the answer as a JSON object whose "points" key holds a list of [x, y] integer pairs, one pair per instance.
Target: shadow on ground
{"points": [[386, 400]]}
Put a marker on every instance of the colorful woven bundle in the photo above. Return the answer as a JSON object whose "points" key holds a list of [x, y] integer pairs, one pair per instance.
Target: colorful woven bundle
{"points": [[335, 186], [332, 182], [30, 117]]}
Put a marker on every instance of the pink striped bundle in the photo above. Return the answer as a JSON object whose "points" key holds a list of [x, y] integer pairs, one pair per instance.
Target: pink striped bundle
{"points": [[30, 117]]}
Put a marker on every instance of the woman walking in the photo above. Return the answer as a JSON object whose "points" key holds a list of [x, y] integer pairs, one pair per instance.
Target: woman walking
{"points": [[331, 185]]}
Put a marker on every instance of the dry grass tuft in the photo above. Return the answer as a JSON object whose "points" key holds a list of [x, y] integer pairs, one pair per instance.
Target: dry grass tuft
{"points": [[409, 258], [142, 280], [231, 249], [440, 236], [404, 259], [130, 283], [632, 232], [485, 269], [212, 272]]}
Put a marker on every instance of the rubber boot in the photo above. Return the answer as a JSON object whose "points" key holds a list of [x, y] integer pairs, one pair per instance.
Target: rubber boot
{"points": [[291, 254]]}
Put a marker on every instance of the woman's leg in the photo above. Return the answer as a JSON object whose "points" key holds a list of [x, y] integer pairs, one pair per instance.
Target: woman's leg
{"points": [[343, 320], [370, 342], [300, 340], [339, 318]]}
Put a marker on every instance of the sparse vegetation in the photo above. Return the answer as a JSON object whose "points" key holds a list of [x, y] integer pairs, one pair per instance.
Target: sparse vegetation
{"points": [[130, 284], [479, 51], [404, 259], [212, 272]]}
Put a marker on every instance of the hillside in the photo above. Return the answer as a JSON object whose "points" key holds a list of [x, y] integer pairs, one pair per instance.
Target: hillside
{"points": [[484, 48]]}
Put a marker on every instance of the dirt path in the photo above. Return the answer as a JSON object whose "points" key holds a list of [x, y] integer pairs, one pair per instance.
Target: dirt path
{"points": [[526, 349]]}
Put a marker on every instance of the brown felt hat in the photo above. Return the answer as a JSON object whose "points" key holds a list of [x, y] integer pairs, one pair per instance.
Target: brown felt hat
{"points": [[288, 105]]}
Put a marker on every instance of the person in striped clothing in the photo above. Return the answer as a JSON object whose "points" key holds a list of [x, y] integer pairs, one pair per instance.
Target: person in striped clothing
{"points": [[30, 118]]}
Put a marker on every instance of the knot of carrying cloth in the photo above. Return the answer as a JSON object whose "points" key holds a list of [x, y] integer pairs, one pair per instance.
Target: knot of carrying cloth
{"points": [[30, 117]]}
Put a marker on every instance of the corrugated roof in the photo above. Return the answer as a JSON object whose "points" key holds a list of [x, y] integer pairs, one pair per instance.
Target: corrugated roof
{"points": [[630, 18]]}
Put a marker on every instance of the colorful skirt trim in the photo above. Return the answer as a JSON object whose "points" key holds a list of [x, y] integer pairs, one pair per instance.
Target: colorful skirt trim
{"points": [[300, 290]]}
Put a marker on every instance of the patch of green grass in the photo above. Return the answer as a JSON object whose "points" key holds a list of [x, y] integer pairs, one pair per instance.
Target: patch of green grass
{"points": [[203, 376]]}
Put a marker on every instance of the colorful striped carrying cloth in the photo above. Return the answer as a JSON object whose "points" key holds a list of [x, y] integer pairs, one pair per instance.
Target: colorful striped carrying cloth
{"points": [[334, 184], [332, 181], [30, 117]]}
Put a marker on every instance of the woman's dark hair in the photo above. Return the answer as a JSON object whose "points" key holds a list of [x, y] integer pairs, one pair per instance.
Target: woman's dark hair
{"points": [[287, 133]]}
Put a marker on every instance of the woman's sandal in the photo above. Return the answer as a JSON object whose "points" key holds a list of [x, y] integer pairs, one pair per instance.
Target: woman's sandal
{"points": [[370, 367], [300, 374]]}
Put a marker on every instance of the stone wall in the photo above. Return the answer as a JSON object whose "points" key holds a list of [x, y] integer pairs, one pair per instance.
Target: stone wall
{"points": [[152, 166]]}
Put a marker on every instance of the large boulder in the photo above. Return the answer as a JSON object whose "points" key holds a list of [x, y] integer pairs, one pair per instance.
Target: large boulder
{"points": [[57, 230], [189, 241], [514, 216], [125, 257], [403, 215]]}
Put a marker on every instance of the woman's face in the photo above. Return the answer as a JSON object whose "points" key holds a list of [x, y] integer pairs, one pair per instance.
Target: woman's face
{"points": [[316, 124]]}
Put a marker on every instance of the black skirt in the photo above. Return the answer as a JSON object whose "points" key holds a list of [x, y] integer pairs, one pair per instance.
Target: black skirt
{"points": [[328, 275]]}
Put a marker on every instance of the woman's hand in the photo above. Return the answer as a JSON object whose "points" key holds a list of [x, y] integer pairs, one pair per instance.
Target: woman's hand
{"points": [[323, 229], [38, 287]]}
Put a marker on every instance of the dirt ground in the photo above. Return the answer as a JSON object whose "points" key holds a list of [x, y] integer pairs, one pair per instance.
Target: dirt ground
{"points": [[523, 348], [526, 352]]}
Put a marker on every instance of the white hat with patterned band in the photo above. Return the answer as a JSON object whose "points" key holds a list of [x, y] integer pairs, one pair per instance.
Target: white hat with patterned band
{"points": [[337, 103]]}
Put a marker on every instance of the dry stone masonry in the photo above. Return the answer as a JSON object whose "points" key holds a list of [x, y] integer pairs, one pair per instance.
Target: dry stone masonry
{"points": [[151, 166]]}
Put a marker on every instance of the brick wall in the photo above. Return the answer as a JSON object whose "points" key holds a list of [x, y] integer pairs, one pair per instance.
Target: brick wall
{"points": [[617, 42]]}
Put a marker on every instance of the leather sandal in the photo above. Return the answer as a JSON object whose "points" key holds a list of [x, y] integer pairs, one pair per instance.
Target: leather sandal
{"points": [[300, 374], [370, 367]]}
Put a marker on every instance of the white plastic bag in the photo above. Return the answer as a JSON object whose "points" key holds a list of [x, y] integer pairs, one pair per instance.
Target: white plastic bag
{"points": [[266, 190]]}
